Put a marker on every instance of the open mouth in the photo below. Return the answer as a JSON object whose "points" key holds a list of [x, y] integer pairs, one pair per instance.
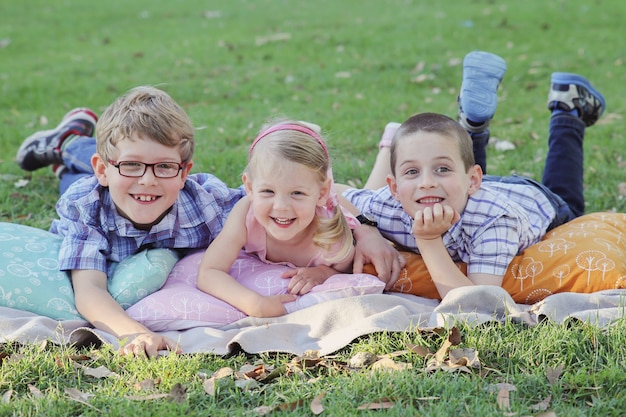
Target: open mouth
{"points": [[430, 200], [283, 221], [145, 198]]}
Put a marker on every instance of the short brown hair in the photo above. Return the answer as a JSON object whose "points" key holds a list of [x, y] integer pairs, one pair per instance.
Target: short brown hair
{"points": [[434, 123], [148, 111]]}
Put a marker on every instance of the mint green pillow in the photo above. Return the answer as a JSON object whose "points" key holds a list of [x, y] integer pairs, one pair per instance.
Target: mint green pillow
{"points": [[140, 275], [30, 279]]}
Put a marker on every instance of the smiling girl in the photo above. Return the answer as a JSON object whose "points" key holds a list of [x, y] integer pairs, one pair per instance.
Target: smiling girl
{"points": [[289, 216]]}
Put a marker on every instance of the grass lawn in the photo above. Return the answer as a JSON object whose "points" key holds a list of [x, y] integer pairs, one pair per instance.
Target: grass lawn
{"points": [[350, 66]]}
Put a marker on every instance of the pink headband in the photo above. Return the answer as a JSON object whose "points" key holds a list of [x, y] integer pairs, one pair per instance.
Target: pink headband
{"points": [[289, 126]]}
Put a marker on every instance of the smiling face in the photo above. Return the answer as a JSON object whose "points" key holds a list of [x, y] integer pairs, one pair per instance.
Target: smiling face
{"points": [[143, 200], [284, 196], [429, 170]]}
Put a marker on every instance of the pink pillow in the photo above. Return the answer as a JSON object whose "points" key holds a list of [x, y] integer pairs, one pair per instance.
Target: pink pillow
{"points": [[179, 304]]}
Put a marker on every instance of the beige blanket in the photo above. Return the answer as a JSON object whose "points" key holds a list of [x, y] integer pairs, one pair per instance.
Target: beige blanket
{"points": [[330, 326]]}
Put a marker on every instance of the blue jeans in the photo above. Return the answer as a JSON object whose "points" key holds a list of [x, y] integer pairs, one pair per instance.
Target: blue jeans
{"points": [[77, 158], [562, 179]]}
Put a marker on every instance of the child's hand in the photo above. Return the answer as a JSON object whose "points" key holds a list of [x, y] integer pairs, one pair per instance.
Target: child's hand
{"points": [[148, 344], [272, 305], [432, 222], [304, 279]]}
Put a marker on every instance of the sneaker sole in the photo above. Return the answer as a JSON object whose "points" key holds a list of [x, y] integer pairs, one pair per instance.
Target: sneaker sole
{"points": [[568, 78], [482, 73]]}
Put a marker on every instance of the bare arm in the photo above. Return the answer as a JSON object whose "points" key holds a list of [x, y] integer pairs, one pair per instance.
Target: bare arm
{"points": [[213, 276], [372, 247], [97, 306], [428, 227]]}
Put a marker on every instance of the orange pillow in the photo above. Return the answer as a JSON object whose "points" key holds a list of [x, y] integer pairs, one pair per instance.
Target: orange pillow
{"points": [[587, 254]]}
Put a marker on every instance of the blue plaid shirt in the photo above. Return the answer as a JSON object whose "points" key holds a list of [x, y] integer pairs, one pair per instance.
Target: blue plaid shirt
{"points": [[95, 235], [499, 221]]}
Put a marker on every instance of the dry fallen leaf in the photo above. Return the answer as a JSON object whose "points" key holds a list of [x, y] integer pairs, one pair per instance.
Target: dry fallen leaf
{"points": [[6, 397], [387, 364], [543, 405], [553, 374], [316, 405], [379, 405], [35, 391], [178, 393]]}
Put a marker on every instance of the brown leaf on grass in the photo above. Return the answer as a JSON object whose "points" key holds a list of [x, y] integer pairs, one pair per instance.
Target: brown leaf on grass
{"points": [[317, 407], [503, 399], [419, 350], [99, 372], [543, 405], [465, 357], [147, 384], [454, 336], [36, 392], [6, 397], [381, 404], [178, 393], [553, 374], [621, 189], [222, 373], [388, 364], [362, 359], [80, 397], [209, 386], [289, 406]]}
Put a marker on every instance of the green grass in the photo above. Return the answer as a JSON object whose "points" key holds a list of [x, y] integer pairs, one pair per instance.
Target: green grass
{"points": [[350, 66]]}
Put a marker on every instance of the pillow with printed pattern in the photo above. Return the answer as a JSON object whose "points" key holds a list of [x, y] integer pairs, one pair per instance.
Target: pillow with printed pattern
{"points": [[181, 305], [30, 279]]}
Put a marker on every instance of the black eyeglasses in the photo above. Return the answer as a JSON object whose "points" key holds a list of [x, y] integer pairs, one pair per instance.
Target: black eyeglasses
{"points": [[135, 169]]}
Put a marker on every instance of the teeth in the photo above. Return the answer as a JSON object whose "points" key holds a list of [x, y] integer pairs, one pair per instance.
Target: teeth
{"points": [[430, 200], [145, 197], [282, 221]]}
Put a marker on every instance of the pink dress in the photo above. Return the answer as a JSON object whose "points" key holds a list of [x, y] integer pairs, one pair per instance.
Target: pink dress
{"points": [[256, 244]]}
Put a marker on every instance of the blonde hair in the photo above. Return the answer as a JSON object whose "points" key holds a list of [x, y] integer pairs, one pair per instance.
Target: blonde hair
{"points": [[310, 151], [146, 111], [434, 123]]}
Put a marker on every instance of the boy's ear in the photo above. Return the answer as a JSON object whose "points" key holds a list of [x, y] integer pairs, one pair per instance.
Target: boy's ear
{"points": [[185, 173], [100, 169], [393, 186], [247, 184], [476, 179]]}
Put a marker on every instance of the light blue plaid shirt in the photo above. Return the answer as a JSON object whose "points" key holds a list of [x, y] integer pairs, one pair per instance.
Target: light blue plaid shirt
{"points": [[95, 235], [499, 221]]}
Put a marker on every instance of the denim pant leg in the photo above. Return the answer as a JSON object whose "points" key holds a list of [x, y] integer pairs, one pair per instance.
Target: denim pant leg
{"points": [[77, 158], [563, 172], [480, 141]]}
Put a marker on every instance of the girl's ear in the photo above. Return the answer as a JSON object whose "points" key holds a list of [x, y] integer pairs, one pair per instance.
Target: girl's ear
{"points": [[475, 179], [393, 186], [100, 169], [324, 193]]}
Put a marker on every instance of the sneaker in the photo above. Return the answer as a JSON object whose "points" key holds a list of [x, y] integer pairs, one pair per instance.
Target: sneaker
{"points": [[478, 99], [44, 147], [572, 91]]}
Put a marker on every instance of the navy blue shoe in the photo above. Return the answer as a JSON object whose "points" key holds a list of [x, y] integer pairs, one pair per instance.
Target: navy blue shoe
{"points": [[478, 99], [572, 91], [43, 148]]}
